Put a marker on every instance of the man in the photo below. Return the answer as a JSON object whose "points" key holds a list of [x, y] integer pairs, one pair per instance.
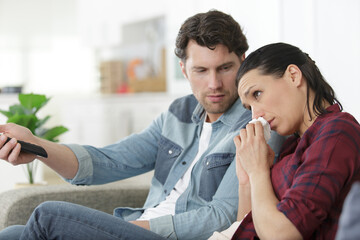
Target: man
{"points": [[193, 191]]}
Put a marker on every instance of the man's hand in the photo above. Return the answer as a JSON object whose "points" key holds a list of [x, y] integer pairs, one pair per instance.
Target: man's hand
{"points": [[143, 224], [10, 151]]}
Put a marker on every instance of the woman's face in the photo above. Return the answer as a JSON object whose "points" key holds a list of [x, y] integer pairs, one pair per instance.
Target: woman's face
{"points": [[281, 101]]}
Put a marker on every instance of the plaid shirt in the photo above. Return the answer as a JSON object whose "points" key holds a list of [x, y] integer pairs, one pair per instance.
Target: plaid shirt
{"points": [[313, 176]]}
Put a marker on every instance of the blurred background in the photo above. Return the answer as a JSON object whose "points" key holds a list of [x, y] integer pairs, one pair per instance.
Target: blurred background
{"points": [[109, 65]]}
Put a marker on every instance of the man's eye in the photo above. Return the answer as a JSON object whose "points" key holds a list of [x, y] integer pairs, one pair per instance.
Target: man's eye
{"points": [[225, 68]]}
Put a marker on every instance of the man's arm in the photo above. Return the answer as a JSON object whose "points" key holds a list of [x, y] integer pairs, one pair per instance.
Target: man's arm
{"points": [[60, 158], [87, 165]]}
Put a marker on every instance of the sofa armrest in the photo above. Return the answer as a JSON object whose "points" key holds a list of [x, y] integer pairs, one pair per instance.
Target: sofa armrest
{"points": [[18, 204]]}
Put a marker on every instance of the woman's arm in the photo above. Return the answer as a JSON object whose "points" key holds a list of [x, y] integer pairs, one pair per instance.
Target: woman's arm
{"points": [[269, 222], [244, 186], [256, 158], [244, 201]]}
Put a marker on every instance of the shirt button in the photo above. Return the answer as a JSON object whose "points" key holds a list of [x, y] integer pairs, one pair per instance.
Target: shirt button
{"points": [[170, 152], [183, 163], [165, 191]]}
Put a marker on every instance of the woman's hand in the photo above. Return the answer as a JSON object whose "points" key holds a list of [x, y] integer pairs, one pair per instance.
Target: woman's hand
{"points": [[240, 172], [10, 151], [252, 151]]}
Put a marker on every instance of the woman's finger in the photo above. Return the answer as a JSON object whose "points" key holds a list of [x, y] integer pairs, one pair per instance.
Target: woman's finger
{"points": [[250, 130], [259, 130], [243, 135], [237, 141]]}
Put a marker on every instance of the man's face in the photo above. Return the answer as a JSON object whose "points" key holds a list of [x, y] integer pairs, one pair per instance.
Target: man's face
{"points": [[212, 75]]}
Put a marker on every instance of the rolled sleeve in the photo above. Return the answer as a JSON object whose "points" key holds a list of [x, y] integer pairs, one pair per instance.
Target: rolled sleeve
{"points": [[163, 226], [302, 215], [85, 168]]}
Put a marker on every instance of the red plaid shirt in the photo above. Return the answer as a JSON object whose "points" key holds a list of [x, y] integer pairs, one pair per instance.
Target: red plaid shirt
{"points": [[313, 176]]}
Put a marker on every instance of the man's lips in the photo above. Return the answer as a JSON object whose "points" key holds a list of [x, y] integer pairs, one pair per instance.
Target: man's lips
{"points": [[216, 98]]}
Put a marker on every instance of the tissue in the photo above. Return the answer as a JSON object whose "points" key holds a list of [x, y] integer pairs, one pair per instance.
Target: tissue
{"points": [[266, 127]]}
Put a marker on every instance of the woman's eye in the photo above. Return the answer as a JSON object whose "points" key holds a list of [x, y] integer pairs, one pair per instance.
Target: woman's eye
{"points": [[256, 94]]}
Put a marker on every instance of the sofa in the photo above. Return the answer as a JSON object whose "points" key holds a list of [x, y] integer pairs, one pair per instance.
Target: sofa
{"points": [[18, 204]]}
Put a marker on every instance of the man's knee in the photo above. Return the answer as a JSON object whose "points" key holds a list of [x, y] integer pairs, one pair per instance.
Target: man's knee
{"points": [[12, 232], [49, 209]]}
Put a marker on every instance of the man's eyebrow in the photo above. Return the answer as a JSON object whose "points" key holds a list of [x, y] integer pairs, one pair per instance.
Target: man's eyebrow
{"points": [[227, 63], [198, 67]]}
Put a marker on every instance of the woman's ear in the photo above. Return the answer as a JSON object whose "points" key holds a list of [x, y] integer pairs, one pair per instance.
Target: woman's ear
{"points": [[295, 75]]}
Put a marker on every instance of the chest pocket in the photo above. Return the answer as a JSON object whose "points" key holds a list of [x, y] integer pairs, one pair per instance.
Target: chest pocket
{"points": [[167, 154], [213, 172]]}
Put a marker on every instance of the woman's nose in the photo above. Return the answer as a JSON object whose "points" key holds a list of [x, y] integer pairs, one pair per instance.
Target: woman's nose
{"points": [[256, 113]]}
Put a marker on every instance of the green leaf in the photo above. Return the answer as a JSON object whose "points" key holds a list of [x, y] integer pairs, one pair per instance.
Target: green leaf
{"points": [[6, 113], [28, 121], [18, 109], [54, 132], [14, 110], [32, 101], [41, 122]]}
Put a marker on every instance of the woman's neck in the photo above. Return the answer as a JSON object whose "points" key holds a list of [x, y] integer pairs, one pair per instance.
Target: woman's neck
{"points": [[309, 115]]}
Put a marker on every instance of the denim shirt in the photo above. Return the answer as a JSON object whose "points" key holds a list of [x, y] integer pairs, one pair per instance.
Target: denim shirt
{"points": [[169, 145]]}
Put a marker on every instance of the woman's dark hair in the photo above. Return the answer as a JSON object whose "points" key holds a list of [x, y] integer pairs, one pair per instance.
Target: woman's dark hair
{"points": [[273, 59], [210, 29]]}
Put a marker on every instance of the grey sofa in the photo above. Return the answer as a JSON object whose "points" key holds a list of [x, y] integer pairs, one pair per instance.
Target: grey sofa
{"points": [[18, 204]]}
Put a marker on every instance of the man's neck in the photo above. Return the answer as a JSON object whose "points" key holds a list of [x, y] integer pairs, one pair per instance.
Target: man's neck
{"points": [[210, 118]]}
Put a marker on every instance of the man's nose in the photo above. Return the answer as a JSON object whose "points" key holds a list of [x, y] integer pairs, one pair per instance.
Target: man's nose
{"points": [[215, 81]]}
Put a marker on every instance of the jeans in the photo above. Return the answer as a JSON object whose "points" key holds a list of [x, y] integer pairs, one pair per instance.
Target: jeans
{"points": [[12, 232], [62, 220]]}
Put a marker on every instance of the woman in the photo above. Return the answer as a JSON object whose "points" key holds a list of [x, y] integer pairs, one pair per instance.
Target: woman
{"points": [[301, 195]]}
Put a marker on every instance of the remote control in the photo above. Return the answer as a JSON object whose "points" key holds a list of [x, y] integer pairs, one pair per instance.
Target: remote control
{"points": [[31, 148]]}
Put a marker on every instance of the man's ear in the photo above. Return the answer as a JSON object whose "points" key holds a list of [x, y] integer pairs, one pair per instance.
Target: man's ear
{"points": [[295, 75], [242, 57], [183, 70]]}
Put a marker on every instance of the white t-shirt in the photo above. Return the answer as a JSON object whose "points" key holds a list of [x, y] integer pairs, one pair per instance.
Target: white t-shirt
{"points": [[167, 206]]}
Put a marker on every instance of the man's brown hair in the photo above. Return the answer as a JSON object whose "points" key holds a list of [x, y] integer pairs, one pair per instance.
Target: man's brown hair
{"points": [[210, 29]]}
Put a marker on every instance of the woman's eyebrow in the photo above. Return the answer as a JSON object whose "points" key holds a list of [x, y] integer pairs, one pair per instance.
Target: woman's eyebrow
{"points": [[248, 91]]}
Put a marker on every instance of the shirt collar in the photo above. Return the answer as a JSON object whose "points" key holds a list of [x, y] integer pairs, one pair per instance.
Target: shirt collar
{"points": [[228, 118], [335, 108]]}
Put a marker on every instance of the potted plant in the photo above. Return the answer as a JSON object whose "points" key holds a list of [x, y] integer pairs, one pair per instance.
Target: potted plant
{"points": [[25, 114]]}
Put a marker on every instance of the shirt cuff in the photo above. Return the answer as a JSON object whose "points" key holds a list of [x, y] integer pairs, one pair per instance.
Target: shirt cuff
{"points": [[85, 169], [163, 226]]}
